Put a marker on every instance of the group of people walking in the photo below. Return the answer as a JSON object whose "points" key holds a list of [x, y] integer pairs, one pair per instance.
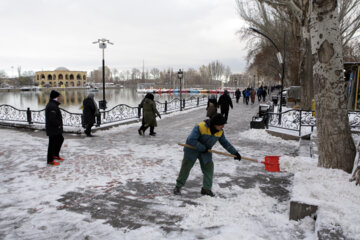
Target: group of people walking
{"points": [[201, 139], [250, 94]]}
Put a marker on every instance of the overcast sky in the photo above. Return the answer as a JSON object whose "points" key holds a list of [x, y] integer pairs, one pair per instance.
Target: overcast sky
{"points": [[46, 34]]}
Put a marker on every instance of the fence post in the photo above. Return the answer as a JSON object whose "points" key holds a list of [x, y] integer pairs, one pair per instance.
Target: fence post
{"points": [[28, 114], [165, 106], [197, 101], [183, 104]]}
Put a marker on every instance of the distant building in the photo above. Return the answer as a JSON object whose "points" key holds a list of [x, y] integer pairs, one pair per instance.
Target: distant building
{"points": [[61, 77]]}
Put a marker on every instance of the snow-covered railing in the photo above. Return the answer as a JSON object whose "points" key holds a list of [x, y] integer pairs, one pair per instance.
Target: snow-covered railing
{"points": [[118, 113], [174, 105], [297, 120]]}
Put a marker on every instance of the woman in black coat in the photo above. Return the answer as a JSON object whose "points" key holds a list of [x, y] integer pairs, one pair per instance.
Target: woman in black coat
{"points": [[90, 110]]}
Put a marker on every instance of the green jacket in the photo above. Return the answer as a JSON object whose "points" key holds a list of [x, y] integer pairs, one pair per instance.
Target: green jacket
{"points": [[202, 138], [150, 112]]}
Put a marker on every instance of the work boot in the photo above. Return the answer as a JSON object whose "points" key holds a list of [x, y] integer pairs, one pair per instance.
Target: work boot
{"points": [[58, 158], [207, 192], [53, 163], [177, 190]]}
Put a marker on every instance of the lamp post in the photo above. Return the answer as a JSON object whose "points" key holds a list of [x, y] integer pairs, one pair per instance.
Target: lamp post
{"points": [[280, 59], [102, 45], [180, 76]]}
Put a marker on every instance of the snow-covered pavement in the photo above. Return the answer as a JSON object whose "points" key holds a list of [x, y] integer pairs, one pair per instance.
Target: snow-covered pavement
{"points": [[118, 185]]}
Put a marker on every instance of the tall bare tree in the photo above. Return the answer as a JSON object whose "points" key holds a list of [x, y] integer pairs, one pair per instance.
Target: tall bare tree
{"points": [[205, 74], [336, 146], [3, 74], [227, 73], [135, 74], [155, 73], [216, 69]]}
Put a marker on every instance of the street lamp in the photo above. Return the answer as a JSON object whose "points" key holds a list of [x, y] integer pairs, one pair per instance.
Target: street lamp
{"points": [[102, 45], [280, 59], [180, 76]]}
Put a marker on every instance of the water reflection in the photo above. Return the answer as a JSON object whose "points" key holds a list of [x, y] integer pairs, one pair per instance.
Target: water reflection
{"points": [[72, 99]]}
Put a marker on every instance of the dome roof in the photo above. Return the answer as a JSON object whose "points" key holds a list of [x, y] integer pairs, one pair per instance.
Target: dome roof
{"points": [[62, 69]]}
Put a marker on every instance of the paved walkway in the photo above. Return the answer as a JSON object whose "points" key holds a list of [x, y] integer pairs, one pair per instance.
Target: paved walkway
{"points": [[125, 181]]}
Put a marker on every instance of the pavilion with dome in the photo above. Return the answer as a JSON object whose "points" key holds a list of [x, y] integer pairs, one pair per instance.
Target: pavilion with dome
{"points": [[61, 77]]}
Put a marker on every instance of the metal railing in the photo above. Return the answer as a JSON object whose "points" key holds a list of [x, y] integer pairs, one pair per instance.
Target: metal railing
{"points": [[296, 120], [118, 113]]}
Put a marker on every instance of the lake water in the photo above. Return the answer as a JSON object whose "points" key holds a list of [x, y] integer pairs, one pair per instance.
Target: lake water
{"points": [[72, 99]]}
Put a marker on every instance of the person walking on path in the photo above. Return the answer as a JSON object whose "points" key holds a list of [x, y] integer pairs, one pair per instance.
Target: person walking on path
{"points": [[224, 104], [54, 128], [244, 97], [211, 109], [259, 93], [247, 95], [149, 114], [252, 95], [263, 94], [237, 95], [90, 110], [203, 137]]}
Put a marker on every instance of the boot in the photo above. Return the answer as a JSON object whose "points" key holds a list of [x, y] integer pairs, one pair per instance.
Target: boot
{"points": [[177, 190], [207, 192], [152, 133], [53, 163]]}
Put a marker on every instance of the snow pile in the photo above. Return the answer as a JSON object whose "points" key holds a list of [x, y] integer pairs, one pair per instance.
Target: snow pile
{"points": [[329, 189], [261, 136]]}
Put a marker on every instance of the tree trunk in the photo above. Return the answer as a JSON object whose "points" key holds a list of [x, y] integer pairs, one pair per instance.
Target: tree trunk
{"points": [[306, 76], [336, 146], [306, 69]]}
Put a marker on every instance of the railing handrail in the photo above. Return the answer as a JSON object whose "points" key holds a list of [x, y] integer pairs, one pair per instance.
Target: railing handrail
{"points": [[305, 119], [118, 113]]}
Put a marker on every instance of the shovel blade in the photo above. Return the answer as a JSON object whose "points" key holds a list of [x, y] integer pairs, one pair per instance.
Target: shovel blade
{"points": [[272, 163]]}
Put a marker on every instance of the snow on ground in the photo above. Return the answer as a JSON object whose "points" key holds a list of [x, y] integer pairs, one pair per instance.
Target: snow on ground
{"points": [[330, 189], [118, 185]]}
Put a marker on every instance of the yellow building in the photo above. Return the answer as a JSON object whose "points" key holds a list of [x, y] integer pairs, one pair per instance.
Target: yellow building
{"points": [[61, 77]]}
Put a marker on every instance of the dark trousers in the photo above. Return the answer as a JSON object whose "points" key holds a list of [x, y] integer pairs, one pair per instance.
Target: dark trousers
{"points": [[88, 129], [237, 99], [186, 166], [225, 113], [55, 143]]}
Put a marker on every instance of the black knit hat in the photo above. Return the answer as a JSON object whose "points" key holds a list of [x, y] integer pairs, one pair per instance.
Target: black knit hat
{"points": [[54, 94], [217, 119]]}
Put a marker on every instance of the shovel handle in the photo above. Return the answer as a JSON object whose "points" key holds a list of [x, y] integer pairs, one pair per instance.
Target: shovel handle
{"points": [[220, 153]]}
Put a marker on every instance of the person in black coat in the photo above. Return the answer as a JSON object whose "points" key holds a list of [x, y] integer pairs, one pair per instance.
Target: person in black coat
{"points": [[54, 128], [237, 95], [224, 103], [90, 110]]}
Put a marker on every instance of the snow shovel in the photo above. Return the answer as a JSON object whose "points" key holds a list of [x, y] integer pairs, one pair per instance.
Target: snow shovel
{"points": [[271, 162]]}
